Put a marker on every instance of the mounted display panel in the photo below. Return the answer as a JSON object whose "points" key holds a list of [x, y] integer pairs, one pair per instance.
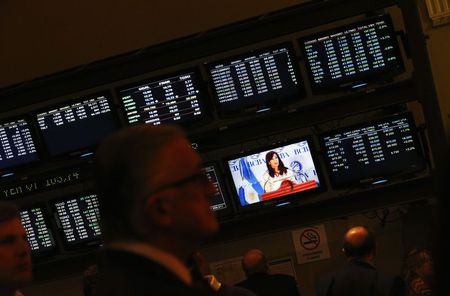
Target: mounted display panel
{"points": [[257, 80], [17, 144], [353, 55], [76, 126], [39, 235], [373, 152], [175, 98], [274, 175], [219, 203], [78, 218]]}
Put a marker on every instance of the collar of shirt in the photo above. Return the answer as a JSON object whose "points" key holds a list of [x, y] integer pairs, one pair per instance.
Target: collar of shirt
{"points": [[167, 260]]}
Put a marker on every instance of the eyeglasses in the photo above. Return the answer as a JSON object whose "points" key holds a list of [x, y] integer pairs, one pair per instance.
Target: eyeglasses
{"points": [[201, 178]]}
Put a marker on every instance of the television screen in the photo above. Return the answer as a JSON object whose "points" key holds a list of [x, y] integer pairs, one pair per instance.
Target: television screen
{"points": [[79, 219], [274, 173], [217, 202], [176, 98], [352, 55], [39, 235], [17, 146], [257, 80], [372, 152], [78, 125]]}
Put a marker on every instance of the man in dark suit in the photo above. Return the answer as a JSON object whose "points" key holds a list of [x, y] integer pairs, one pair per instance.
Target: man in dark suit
{"points": [[359, 277], [154, 200], [260, 281]]}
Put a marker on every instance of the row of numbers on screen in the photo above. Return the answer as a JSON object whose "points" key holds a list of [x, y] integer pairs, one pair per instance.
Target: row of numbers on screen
{"points": [[258, 80], [77, 221]]}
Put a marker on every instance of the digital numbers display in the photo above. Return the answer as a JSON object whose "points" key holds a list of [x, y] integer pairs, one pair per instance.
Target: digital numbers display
{"points": [[173, 99], [16, 144], [38, 232], [373, 150], [256, 79], [76, 126], [352, 54], [79, 218]]}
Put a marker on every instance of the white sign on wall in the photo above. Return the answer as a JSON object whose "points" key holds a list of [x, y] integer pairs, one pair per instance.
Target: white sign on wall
{"points": [[311, 244]]}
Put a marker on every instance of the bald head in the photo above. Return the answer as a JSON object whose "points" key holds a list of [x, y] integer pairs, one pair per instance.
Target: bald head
{"points": [[359, 242], [254, 261]]}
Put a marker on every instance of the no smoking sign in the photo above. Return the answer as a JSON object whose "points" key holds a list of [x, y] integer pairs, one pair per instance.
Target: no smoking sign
{"points": [[311, 244], [310, 239]]}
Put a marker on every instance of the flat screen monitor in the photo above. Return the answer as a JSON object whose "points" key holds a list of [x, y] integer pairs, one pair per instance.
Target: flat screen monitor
{"points": [[352, 56], [39, 235], [257, 80], [269, 176], [373, 152], [218, 203], [176, 98], [17, 145], [78, 125], [79, 219]]}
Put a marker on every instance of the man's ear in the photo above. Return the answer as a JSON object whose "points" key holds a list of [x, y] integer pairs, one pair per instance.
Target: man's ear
{"points": [[158, 209]]}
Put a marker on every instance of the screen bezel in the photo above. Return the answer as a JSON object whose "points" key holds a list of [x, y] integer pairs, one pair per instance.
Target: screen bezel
{"points": [[348, 82], [293, 199], [276, 102], [46, 216], [77, 99], [358, 182], [222, 184], [203, 98], [36, 140], [80, 244]]}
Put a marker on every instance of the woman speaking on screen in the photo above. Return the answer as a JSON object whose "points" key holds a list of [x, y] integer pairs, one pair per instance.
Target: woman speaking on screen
{"points": [[277, 175]]}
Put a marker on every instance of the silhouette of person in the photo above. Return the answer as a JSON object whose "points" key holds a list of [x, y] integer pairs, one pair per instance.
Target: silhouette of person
{"points": [[260, 281], [154, 203], [418, 273], [221, 289], [360, 277]]}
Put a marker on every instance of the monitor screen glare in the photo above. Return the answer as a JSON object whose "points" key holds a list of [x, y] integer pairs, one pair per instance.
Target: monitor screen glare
{"points": [[273, 174], [16, 144], [256, 80], [173, 99], [76, 126]]}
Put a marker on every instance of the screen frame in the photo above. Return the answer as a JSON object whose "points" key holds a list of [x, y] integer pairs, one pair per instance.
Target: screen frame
{"points": [[273, 103], [204, 97], [290, 200], [38, 145], [76, 99], [414, 132], [80, 244], [348, 82], [222, 213]]}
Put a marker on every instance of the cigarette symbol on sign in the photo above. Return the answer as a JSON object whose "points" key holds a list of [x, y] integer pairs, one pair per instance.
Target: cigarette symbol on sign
{"points": [[310, 239]]}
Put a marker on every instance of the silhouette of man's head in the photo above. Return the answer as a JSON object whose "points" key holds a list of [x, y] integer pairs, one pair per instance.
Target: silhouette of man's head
{"points": [[153, 189], [254, 262], [359, 243]]}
